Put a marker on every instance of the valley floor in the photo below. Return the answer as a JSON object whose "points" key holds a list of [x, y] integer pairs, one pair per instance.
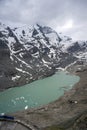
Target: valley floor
{"points": [[67, 113]]}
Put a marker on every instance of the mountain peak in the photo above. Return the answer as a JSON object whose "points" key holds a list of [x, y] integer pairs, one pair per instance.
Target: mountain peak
{"points": [[28, 53]]}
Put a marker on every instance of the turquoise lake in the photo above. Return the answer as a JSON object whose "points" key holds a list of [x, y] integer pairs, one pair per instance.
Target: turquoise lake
{"points": [[37, 93]]}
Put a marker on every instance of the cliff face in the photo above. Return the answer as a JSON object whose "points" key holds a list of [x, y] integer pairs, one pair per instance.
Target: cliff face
{"points": [[27, 54]]}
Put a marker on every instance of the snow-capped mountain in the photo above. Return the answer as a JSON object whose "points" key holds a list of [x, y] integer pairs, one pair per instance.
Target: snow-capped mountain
{"points": [[27, 53]]}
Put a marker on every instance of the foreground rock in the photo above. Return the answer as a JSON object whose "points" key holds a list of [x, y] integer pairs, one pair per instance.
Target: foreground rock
{"points": [[69, 112], [6, 125]]}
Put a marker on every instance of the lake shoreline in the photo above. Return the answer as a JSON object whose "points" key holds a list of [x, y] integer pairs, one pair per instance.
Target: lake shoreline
{"points": [[64, 112], [38, 93]]}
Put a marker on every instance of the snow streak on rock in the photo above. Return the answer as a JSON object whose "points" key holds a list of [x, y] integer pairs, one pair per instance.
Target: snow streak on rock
{"points": [[29, 53]]}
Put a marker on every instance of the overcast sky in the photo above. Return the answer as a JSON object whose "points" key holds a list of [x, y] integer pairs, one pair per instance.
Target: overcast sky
{"points": [[67, 16]]}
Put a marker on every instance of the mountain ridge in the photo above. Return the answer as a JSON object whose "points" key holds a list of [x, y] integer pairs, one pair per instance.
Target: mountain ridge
{"points": [[27, 54]]}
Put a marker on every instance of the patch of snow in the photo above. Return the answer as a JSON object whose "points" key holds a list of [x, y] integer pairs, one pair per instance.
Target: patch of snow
{"points": [[38, 65], [11, 58], [20, 65], [59, 68], [21, 54], [11, 40], [15, 61], [44, 43], [20, 70], [27, 47], [31, 77], [27, 33], [23, 62], [53, 38], [65, 45], [3, 28], [52, 50], [15, 77], [52, 53], [26, 107], [45, 62], [19, 51], [36, 55], [82, 55], [79, 68], [22, 98], [76, 102]]}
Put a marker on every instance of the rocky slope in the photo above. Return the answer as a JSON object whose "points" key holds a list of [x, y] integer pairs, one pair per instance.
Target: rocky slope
{"points": [[27, 54]]}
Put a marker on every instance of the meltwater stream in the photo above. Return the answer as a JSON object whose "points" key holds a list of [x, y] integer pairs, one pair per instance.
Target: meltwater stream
{"points": [[36, 94]]}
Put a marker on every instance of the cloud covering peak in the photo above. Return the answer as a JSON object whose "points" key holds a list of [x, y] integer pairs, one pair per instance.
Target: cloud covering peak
{"points": [[54, 13]]}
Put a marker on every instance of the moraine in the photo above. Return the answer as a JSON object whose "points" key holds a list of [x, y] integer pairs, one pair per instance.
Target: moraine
{"points": [[36, 94]]}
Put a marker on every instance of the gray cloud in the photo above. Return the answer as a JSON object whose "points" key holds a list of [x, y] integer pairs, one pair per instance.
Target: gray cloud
{"points": [[54, 13]]}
